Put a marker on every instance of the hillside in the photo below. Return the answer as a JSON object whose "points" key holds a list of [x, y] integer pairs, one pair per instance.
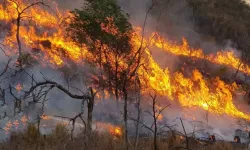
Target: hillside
{"points": [[224, 20], [91, 78]]}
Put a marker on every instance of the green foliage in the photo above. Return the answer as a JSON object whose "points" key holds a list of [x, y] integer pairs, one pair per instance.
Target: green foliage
{"points": [[103, 28], [225, 20], [88, 23]]}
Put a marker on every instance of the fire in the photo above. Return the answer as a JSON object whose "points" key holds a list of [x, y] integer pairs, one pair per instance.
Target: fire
{"points": [[44, 32], [227, 58], [112, 129], [16, 123], [19, 87], [49, 43], [216, 97], [44, 117], [110, 28], [24, 119], [8, 127]]}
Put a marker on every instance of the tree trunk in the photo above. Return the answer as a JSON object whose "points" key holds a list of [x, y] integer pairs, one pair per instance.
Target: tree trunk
{"points": [[116, 80], [38, 124], [138, 115], [155, 125], [17, 36], [237, 71], [125, 94], [90, 110], [187, 143]]}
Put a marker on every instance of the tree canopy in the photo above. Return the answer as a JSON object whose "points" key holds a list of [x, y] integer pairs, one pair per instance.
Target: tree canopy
{"points": [[103, 28], [101, 22]]}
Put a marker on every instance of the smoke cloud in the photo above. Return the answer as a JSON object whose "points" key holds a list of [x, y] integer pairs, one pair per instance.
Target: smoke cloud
{"points": [[174, 23]]}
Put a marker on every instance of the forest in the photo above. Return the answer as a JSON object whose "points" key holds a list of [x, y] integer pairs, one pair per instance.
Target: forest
{"points": [[91, 78]]}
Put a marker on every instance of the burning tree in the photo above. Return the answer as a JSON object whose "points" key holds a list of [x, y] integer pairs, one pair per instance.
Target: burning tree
{"points": [[104, 29], [101, 35]]}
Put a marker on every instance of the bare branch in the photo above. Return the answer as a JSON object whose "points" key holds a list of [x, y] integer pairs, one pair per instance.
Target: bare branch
{"points": [[60, 87], [5, 68], [187, 143]]}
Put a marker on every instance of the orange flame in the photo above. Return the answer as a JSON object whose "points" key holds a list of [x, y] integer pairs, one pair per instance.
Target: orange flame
{"points": [[24, 119], [16, 123], [8, 127], [227, 58], [45, 117], [112, 129], [19, 88]]}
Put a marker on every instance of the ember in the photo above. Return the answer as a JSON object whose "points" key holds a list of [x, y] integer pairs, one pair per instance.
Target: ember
{"points": [[44, 117], [24, 119], [19, 88]]}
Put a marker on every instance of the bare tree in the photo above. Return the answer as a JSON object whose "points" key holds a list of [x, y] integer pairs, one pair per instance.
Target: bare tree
{"points": [[20, 13], [187, 142], [138, 106], [155, 114], [154, 128], [91, 102], [73, 120]]}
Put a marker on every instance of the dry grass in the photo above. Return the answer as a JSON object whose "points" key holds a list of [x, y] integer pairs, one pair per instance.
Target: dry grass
{"points": [[59, 139]]}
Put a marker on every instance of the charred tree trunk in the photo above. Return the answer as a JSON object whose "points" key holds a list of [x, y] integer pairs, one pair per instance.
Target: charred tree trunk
{"points": [[38, 124], [155, 126], [125, 118], [187, 142], [91, 103], [18, 37], [3, 97], [154, 115], [237, 71], [116, 79], [138, 114]]}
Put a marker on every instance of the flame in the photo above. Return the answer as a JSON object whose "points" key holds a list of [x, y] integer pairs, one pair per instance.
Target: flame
{"points": [[16, 123], [116, 131], [24, 119], [44, 32], [8, 127], [215, 96], [45, 117], [110, 27], [19, 88], [227, 58]]}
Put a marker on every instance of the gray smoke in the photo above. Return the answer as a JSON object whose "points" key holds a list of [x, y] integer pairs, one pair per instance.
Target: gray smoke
{"points": [[174, 23]]}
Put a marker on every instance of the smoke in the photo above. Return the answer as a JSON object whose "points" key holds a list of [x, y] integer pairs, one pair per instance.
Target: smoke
{"points": [[174, 22], [67, 4], [247, 1]]}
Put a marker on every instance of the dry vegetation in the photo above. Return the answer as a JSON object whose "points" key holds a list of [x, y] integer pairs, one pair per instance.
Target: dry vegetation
{"points": [[119, 79], [59, 139]]}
